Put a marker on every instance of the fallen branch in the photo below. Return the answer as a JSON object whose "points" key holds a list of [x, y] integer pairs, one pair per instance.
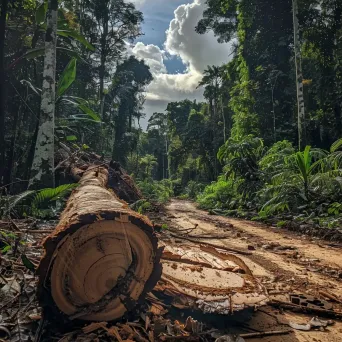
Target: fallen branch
{"points": [[229, 249], [266, 333], [208, 237], [330, 296], [316, 311]]}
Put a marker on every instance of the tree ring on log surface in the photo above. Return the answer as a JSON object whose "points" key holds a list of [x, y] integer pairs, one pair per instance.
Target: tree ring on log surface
{"points": [[102, 257], [94, 262]]}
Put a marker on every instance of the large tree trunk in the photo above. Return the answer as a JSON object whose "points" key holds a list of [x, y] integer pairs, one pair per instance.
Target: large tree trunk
{"points": [[299, 79], [42, 170], [102, 257], [3, 14]]}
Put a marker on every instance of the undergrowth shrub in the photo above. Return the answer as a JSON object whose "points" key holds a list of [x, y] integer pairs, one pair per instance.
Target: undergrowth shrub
{"points": [[278, 181], [221, 195], [156, 191], [44, 203], [193, 189]]}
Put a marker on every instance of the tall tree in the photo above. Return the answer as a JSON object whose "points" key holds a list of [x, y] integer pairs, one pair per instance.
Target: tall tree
{"points": [[42, 170], [3, 14], [299, 79], [109, 24], [130, 79], [157, 132]]}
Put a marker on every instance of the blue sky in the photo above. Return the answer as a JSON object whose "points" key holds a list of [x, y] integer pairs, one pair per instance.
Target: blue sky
{"points": [[157, 17], [176, 54]]}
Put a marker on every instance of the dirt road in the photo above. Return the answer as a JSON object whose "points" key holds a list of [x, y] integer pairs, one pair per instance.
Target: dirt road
{"points": [[283, 261]]}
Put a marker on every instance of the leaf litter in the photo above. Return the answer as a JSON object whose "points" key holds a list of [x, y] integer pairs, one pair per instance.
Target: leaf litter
{"points": [[164, 316]]}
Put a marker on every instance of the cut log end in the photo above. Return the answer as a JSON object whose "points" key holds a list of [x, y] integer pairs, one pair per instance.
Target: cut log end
{"points": [[102, 258]]}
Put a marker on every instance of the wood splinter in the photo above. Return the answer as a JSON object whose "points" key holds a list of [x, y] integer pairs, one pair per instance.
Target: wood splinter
{"points": [[102, 258]]}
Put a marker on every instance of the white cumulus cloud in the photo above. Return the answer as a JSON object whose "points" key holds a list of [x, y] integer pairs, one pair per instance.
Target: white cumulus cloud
{"points": [[196, 52], [152, 55]]}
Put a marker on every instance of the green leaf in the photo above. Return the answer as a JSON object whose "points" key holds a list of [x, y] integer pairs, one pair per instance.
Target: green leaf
{"points": [[72, 53], [39, 52], [71, 138], [77, 36], [34, 53], [85, 109], [28, 263], [67, 78], [6, 249], [41, 13], [51, 194], [336, 145]]}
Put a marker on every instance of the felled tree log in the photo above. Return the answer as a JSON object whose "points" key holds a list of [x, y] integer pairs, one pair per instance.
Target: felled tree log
{"points": [[118, 180], [102, 257]]}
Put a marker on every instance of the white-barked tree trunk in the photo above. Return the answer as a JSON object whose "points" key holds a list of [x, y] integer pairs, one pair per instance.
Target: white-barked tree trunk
{"points": [[42, 170]]}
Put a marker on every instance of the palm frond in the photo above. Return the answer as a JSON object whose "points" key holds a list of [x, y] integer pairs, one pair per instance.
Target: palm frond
{"points": [[336, 146], [17, 199], [49, 195]]}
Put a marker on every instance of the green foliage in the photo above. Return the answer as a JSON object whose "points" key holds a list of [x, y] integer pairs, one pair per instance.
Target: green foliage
{"points": [[273, 160], [67, 78], [89, 112], [71, 138], [148, 163], [193, 189], [242, 163], [143, 207], [5, 249], [276, 180], [41, 13], [221, 194], [164, 226], [39, 203], [281, 224], [46, 196], [8, 240], [77, 36], [335, 209], [303, 179], [241, 140], [28, 263], [156, 191]]}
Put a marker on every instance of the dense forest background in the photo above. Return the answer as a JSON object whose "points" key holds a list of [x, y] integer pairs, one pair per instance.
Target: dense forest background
{"points": [[266, 140]]}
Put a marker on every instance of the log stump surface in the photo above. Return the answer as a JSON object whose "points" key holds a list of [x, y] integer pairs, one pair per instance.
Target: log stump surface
{"points": [[102, 257]]}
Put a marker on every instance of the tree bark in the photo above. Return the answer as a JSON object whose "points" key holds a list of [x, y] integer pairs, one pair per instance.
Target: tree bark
{"points": [[337, 27], [299, 79], [42, 170], [103, 62], [3, 14], [224, 121], [11, 169], [102, 257]]}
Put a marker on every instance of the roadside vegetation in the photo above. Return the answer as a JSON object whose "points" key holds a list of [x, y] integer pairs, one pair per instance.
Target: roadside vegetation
{"points": [[263, 144]]}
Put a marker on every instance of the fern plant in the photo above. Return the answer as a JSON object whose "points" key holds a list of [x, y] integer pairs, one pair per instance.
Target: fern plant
{"points": [[38, 203], [305, 176]]}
